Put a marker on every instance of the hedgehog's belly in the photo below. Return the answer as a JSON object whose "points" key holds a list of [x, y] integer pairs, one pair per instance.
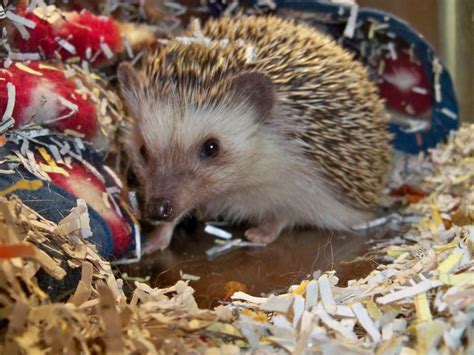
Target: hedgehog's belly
{"points": [[296, 202]]}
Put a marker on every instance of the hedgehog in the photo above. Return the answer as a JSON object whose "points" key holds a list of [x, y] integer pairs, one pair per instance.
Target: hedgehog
{"points": [[259, 120]]}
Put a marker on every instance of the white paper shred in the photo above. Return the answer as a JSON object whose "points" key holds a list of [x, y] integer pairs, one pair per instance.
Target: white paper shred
{"points": [[25, 146], [7, 63], [11, 93], [414, 126], [271, 4], [116, 205], [344, 311], [5, 125], [128, 48], [365, 321], [79, 143], [24, 56], [66, 45], [114, 177], [351, 22], [437, 69], [239, 295], [86, 230], [250, 54], [70, 105], [219, 249], [69, 73], [311, 295], [133, 201], [393, 51], [419, 90], [409, 291], [447, 112], [217, 232], [77, 220], [307, 322], [371, 224], [281, 321], [106, 49], [137, 58], [23, 31], [298, 309], [56, 155], [189, 277], [279, 304], [20, 20], [334, 324], [227, 247], [85, 66], [86, 164], [326, 294]]}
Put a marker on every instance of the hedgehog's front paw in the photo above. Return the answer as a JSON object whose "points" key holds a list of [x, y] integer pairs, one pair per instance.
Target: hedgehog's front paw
{"points": [[265, 233], [158, 239]]}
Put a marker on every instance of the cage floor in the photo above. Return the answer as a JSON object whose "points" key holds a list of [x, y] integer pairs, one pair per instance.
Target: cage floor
{"points": [[259, 270]]}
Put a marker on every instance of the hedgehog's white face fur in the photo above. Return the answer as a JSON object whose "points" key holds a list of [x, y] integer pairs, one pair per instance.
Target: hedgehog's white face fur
{"points": [[189, 154]]}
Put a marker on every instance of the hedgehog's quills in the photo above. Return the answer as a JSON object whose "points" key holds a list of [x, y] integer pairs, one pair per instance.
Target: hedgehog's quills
{"points": [[256, 119]]}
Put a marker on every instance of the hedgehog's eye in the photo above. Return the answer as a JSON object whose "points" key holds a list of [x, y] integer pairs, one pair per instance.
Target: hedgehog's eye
{"points": [[144, 152], [210, 148]]}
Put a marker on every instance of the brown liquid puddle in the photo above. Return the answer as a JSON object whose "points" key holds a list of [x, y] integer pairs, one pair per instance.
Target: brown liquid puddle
{"points": [[287, 261]]}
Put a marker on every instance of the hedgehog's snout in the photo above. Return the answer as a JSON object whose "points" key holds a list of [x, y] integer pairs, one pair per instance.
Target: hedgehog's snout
{"points": [[159, 209]]}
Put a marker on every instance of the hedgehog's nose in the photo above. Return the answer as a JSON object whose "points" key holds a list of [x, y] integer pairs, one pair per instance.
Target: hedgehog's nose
{"points": [[159, 210]]}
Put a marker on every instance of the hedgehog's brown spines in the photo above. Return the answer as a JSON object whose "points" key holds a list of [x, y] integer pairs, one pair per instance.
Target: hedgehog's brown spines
{"points": [[193, 71], [339, 113]]}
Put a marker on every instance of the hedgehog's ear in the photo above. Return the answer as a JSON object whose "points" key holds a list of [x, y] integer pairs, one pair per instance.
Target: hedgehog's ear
{"points": [[127, 76], [257, 88]]}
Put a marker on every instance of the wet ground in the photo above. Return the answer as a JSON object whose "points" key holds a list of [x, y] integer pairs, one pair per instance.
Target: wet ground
{"points": [[259, 270]]}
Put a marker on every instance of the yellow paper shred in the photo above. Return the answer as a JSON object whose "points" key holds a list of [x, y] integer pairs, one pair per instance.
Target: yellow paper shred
{"points": [[457, 279], [462, 179], [373, 310], [408, 351], [451, 262], [224, 328], [436, 215], [50, 265], [422, 306], [48, 67], [442, 248], [50, 161], [301, 288], [428, 335], [27, 69], [74, 133], [197, 324], [395, 251], [372, 30], [391, 346], [31, 185], [257, 316], [84, 288], [53, 169], [112, 324]]}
